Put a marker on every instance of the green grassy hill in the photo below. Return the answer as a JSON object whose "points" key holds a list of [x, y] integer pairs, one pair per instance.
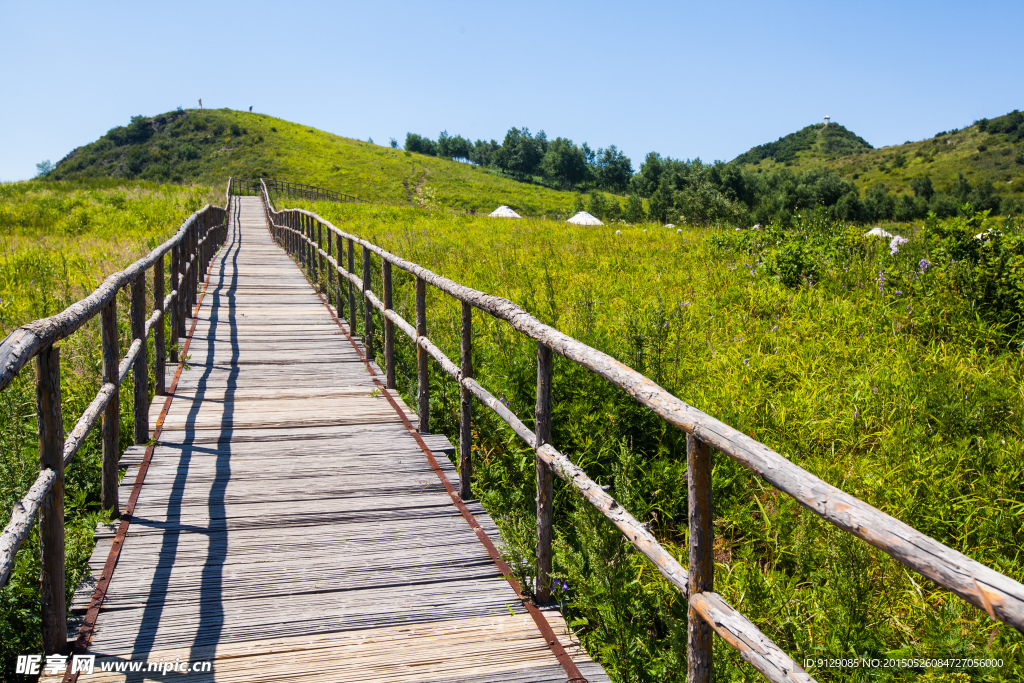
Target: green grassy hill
{"points": [[207, 146], [986, 151]]}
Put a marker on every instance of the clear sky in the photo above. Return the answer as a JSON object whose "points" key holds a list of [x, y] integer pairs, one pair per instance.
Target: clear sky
{"points": [[687, 79]]}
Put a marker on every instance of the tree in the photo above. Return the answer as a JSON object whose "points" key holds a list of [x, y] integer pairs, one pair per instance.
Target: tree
{"points": [[483, 152], [646, 182], [922, 187], [634, 211], [394, 143], [596, 205], [419, 144], [879, 203], [43, 168], [961, 189], [520, 154], [613, 170], [564, 163]]}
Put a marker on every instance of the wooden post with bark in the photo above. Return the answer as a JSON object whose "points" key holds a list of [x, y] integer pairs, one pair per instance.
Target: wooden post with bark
{"points": [[51, 513], [111, 425], [367, 307], [159, 349], [545, 483], [702, 561], [389, 326], [175, 267], [140, 373], [352, 317], [422, 372], [466, 406]]}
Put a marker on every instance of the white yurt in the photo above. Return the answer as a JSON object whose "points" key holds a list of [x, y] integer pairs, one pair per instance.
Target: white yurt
{"points": [[878, 232], [584, 218], [504, 212]]}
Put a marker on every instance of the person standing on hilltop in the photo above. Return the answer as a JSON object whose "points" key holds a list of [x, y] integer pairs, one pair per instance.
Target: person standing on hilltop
{"points": [[250, 108]]}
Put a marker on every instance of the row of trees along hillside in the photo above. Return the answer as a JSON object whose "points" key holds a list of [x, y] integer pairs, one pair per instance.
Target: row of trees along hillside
{"points": [[741, 191], [559, 163]]}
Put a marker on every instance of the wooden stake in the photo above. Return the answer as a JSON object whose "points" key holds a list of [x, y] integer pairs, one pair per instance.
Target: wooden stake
{"points": [[51, 514], [422, 372], [111, 427], [545, 483], [702, 561], [159, 348], [352, 317], [175, 267], [389, 326], [140, 370], [466, 406], [367, 308]]}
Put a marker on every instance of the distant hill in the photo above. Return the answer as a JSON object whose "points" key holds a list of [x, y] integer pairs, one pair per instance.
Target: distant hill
{"points": [[207, 146], [819, 141], [986, 151]]}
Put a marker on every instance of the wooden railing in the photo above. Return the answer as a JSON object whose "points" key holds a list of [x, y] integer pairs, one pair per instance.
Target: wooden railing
{"points": [[301, 190], [191, 249], [318, 246]]}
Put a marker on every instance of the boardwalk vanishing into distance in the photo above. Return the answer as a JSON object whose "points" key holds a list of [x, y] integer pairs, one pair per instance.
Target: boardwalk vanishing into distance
{"points": [[290, 526], [286, 519]]}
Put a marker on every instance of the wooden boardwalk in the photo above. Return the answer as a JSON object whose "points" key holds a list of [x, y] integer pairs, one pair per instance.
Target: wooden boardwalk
{"points": [[290, 526]]}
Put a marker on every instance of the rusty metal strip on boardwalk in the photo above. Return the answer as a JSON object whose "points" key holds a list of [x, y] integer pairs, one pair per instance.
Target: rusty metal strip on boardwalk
{"points": [[563, 657], [85, 632]]}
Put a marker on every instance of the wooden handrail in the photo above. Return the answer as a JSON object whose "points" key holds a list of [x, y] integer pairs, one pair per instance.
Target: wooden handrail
{"points": [[1000, 596], [252, 187], [192, 247]]}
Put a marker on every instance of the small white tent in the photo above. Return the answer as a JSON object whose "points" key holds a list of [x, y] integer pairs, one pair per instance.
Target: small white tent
{"points": [[584, 218], [504, 212], [878, 232]]}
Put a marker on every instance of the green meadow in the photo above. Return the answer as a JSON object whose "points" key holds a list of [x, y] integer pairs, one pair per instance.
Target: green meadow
{"points": [[58, 241], [891, 370], [894, 374]]}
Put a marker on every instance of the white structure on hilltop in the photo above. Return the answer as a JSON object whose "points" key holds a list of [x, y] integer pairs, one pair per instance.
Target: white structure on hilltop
{"points": [[584, 218], [827, 119], [504, 212]]}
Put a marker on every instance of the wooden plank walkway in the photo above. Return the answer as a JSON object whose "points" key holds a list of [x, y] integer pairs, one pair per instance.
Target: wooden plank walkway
{"points": [[289, 526]]}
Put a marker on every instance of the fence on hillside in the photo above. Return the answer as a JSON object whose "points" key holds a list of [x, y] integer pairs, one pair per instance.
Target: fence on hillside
{"points": [[252, 188], [191, 248], [320, 247]]}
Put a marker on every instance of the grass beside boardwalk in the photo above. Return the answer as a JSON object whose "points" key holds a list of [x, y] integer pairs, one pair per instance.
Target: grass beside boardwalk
{"points": [[58, 241], [871, 369]]}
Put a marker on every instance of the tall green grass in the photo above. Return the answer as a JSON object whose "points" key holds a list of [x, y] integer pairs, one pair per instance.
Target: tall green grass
{"points": [[58, 242], [910, 400]]}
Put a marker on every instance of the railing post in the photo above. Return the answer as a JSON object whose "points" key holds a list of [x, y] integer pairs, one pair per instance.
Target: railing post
{"points": [[140, 371], [339, 303], [112, 413], [175, 307], [367, 308], [545, 485], [466, 406], [318, 263], [159, 349], [319, 258], [702, 561], [389, 327], [422, 376], [51, 514], [353, 326], [327, 273], [193, 261]]}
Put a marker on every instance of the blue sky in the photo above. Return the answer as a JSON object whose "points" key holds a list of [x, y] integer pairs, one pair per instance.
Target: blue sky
{"points": [[687, 79]]}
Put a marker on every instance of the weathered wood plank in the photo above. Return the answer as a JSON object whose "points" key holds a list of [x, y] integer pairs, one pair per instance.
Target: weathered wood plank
{"points": [[286, 497]]}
